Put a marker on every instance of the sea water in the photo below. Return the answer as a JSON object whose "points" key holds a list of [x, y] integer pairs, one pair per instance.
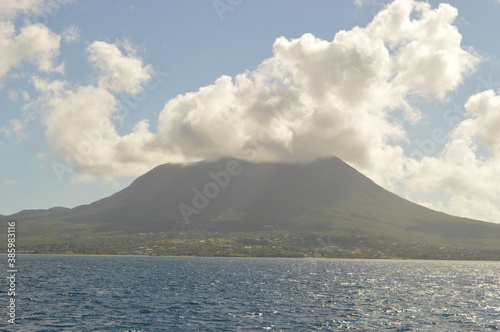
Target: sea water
{"points": [[127, 293]]}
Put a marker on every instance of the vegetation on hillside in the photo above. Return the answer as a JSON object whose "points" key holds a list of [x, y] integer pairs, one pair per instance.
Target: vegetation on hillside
{"points": [[64, 238], [238, 208]]}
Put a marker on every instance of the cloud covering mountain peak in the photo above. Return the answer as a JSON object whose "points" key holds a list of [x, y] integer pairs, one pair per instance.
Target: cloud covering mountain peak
{"points": [[353, 97]]}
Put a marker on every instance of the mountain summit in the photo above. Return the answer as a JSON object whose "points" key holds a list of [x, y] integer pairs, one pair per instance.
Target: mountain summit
{"points": [[231, 194], [324, 197]]}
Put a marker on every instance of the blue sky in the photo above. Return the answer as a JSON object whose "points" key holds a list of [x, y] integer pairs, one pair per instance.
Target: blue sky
{"points": [[95, 93]]}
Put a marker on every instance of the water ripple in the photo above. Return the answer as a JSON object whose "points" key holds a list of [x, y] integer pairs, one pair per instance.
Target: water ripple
{"points": [[90, 293]]}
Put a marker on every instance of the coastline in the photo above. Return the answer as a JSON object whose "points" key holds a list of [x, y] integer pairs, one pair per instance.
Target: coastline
{"points": [[263, 257]]}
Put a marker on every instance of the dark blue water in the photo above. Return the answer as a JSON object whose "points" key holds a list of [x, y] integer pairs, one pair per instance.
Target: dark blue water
{"points": [[106, 293]]}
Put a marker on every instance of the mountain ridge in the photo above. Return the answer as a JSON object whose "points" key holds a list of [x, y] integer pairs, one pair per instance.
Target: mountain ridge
{"points": [[175, 195], [231, 207]]}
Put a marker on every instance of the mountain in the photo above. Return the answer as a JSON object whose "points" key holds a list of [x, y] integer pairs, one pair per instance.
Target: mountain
{"points": [[227, 193], [244, 195], [326, 196], [29, 214]]}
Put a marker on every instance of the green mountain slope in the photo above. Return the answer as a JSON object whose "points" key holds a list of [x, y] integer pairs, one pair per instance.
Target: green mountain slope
{"points": [[326, 198]]}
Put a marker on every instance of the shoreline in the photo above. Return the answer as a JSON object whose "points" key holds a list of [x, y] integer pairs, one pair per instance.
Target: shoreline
{"points": [[263, 257]]}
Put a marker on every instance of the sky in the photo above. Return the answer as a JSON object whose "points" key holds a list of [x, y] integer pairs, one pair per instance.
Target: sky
{"points": [[95, 93]]}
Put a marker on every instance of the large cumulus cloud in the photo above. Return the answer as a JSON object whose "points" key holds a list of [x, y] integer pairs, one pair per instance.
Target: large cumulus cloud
{"points": [[468, 168], [317, 98], [314, 98], [351, 97]]}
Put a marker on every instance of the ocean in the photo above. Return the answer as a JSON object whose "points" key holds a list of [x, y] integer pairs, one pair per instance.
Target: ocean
{"points": [[131, 293]]}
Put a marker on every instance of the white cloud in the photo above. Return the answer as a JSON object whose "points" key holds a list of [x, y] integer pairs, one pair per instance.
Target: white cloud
{"points": [[25, 95], [459, 168], [465, 170], [15, 95], [79, 120], [11, 9], [79, 127], [70, 34], [34, 43], [316, 98], [484, 122], [313, 98], [475, 207], [427, 52], [31, 10], [16, 127], [12, 183], [121, 73]]}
